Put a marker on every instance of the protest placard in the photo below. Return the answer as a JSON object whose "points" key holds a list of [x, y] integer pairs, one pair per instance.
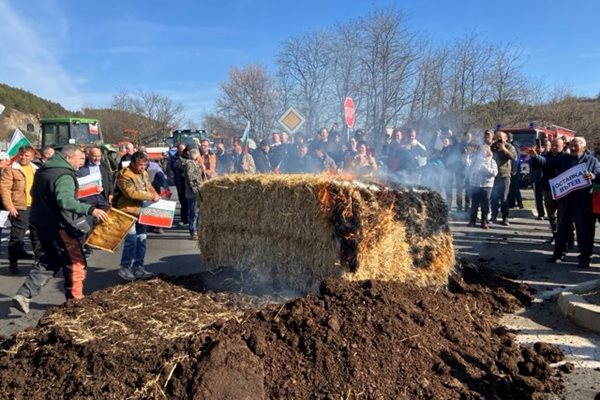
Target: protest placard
{"points": [[159, 214], [570, 180], [89, 185]]}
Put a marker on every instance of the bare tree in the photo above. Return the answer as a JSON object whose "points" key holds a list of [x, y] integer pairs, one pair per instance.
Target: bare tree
{"points": [[507, 89], [219, 127], [304, 61], [394, 76], [345, 70], [249, 95], [159, 113], [388, 58]]}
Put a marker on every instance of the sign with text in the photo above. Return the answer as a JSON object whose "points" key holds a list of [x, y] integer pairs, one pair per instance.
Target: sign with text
{"points": [[570, 180], [89, 185], [159, 214]]}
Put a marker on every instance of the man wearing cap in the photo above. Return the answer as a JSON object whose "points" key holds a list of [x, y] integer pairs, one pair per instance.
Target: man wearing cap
{"points": [[57, 220], [15, 188]]}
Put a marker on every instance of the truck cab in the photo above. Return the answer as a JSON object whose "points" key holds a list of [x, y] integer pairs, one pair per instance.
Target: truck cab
{"points": [[57, 132], [533, 136]]}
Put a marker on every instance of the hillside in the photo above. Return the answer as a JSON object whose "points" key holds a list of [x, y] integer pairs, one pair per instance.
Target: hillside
{"points": [[29, 103], [22, 107]]}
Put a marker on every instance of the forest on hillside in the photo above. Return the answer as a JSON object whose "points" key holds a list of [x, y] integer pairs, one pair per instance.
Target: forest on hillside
{"points": [[28, 103]]}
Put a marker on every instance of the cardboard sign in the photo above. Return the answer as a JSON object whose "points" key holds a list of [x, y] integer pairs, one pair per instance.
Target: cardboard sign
{"points": [[570, 180], [89, 185], [159, 214], [109, 234]]}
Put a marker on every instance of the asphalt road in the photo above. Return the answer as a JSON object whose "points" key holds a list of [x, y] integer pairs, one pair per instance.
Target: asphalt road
{"points": [[171, 253], [517, 249]]}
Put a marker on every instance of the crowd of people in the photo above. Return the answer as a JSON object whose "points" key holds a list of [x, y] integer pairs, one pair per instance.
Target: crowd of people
{"points": [[475, 173]]}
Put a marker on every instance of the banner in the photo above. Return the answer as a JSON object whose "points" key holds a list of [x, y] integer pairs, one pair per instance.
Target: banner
{"points": [[89, 185], [159, 214], [570, 180]]}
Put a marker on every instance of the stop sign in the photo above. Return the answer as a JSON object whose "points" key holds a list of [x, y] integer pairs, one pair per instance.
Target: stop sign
{"points": [[349, 112]]}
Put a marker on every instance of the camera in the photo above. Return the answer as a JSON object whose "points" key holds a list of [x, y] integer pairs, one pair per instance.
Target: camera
{"points": [[499, 141]]}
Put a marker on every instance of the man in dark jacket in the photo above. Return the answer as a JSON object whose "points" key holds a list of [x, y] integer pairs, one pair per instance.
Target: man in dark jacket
{"points": [[55, 219], [176, 162], [261, 157], [93, 165], [575, 206]]}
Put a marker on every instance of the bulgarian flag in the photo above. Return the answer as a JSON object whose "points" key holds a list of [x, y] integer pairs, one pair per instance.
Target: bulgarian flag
{"points": [[18, 140], [245, 138]]}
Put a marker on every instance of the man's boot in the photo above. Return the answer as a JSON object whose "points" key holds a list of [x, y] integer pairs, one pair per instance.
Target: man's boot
{"points": [[13, 267]]}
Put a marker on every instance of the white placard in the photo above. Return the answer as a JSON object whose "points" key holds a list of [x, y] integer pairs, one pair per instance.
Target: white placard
{"points": [[3, 218], [160, 213], [89, 185], [570, 180]]}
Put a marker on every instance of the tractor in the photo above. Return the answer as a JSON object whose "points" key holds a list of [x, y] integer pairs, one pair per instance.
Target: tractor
{"points": [[84, 132]]}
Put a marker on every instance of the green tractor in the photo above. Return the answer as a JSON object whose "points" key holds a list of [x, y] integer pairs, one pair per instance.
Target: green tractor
{"points": [[84, 132], [187, 137]]}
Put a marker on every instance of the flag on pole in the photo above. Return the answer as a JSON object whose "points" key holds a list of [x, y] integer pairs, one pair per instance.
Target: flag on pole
{"points": [[246, 138], [18, 140]]}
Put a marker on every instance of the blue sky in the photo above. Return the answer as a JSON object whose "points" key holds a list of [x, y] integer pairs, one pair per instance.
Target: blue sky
{"points": [[80, 53]]}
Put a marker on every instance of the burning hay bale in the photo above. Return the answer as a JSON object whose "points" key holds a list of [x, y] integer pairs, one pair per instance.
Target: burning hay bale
{"points": [[296, 230]]}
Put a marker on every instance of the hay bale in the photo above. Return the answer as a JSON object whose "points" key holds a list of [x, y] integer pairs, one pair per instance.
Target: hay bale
{"points": [[296, 230]]}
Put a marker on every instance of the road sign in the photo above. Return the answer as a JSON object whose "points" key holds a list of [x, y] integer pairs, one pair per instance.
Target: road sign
{"points": [[349, 114], [291, 120]]}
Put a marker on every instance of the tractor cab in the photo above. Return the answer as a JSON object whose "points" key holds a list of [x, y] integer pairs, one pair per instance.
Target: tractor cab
{"points": [[57, 132], [187, 137]]}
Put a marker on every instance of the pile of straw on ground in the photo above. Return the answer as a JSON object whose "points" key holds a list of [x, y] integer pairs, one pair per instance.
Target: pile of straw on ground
{"points": [[296, 230]]}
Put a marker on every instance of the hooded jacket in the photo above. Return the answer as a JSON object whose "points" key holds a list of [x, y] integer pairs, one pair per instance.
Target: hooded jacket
{"points": [[54, 191]]}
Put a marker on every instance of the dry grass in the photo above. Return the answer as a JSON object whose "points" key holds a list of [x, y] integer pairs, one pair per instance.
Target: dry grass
{"points": [[188, 314], [295, 230]]}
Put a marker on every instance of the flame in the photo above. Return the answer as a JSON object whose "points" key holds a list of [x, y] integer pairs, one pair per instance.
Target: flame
{"points": [[325, 198]]}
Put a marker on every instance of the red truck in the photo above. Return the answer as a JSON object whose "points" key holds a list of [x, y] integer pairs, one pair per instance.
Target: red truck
{"points": [[527, 138]]}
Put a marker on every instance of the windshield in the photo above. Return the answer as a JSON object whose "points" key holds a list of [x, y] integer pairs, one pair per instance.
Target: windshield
{"points": [[85, 133], [188, 138], [524, 138]]}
